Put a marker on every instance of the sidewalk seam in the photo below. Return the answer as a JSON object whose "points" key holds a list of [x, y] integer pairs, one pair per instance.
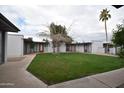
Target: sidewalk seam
{"points": [[101, 82]]}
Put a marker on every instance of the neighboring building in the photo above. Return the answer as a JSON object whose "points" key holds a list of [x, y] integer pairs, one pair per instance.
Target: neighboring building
{"points": [[99, 47], [31, 46], [62, 47], [15, 45], [96, 47], [5, 26], [79, 47], [111, 48], [48, 48]]}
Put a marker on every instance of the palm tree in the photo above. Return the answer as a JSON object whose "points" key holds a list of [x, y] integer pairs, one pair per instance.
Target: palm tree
{"points": [[104, 16]]}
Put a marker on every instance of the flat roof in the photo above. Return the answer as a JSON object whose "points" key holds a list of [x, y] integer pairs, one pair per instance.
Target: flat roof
{"points": [[80, 43], [6, 25], [30, 40], [15, 34]]}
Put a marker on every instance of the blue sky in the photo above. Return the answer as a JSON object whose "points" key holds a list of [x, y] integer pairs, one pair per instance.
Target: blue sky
{"points": [[84, 19], [20, 21]]}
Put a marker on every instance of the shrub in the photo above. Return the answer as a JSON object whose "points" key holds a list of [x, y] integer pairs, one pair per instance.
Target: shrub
{"points": [[121, 53]]}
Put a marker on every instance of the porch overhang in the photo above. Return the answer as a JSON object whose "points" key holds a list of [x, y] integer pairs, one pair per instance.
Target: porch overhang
{"points": [[30, 40], [108, 44], [84, 43], [6, 25]]}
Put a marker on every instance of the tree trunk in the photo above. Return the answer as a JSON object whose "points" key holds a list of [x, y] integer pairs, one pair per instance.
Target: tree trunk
{"points": [[53, 49], [106, 32], [58, 47], [107, 48]]}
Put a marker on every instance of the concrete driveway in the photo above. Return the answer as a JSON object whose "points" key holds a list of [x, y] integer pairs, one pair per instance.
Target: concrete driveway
{"points": [[14, 74]]}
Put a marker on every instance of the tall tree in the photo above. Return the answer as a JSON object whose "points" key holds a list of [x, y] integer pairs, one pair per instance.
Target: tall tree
{"points": [[118, 38], [58, 34], [104, 16]]}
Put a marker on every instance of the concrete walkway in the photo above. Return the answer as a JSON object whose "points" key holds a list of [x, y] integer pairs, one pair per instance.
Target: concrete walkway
{"points": [[14, 74], [104, 54], [110, 79]]}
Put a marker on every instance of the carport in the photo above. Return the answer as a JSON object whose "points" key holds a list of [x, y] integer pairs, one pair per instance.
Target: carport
{"points": [[5, 26]]}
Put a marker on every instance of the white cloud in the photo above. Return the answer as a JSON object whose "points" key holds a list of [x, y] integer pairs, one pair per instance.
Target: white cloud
{"points": [[85, 19]]}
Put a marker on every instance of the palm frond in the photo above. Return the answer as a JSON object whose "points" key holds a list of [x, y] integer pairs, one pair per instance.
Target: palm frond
{"points": [[104, 15]]}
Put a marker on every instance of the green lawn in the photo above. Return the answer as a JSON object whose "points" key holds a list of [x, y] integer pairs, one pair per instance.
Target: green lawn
{"points": [[56, 68]]}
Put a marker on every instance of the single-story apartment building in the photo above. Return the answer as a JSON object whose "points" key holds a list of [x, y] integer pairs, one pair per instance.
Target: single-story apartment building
{"points": [[5, 26], [19, 46], [96, 47]]}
